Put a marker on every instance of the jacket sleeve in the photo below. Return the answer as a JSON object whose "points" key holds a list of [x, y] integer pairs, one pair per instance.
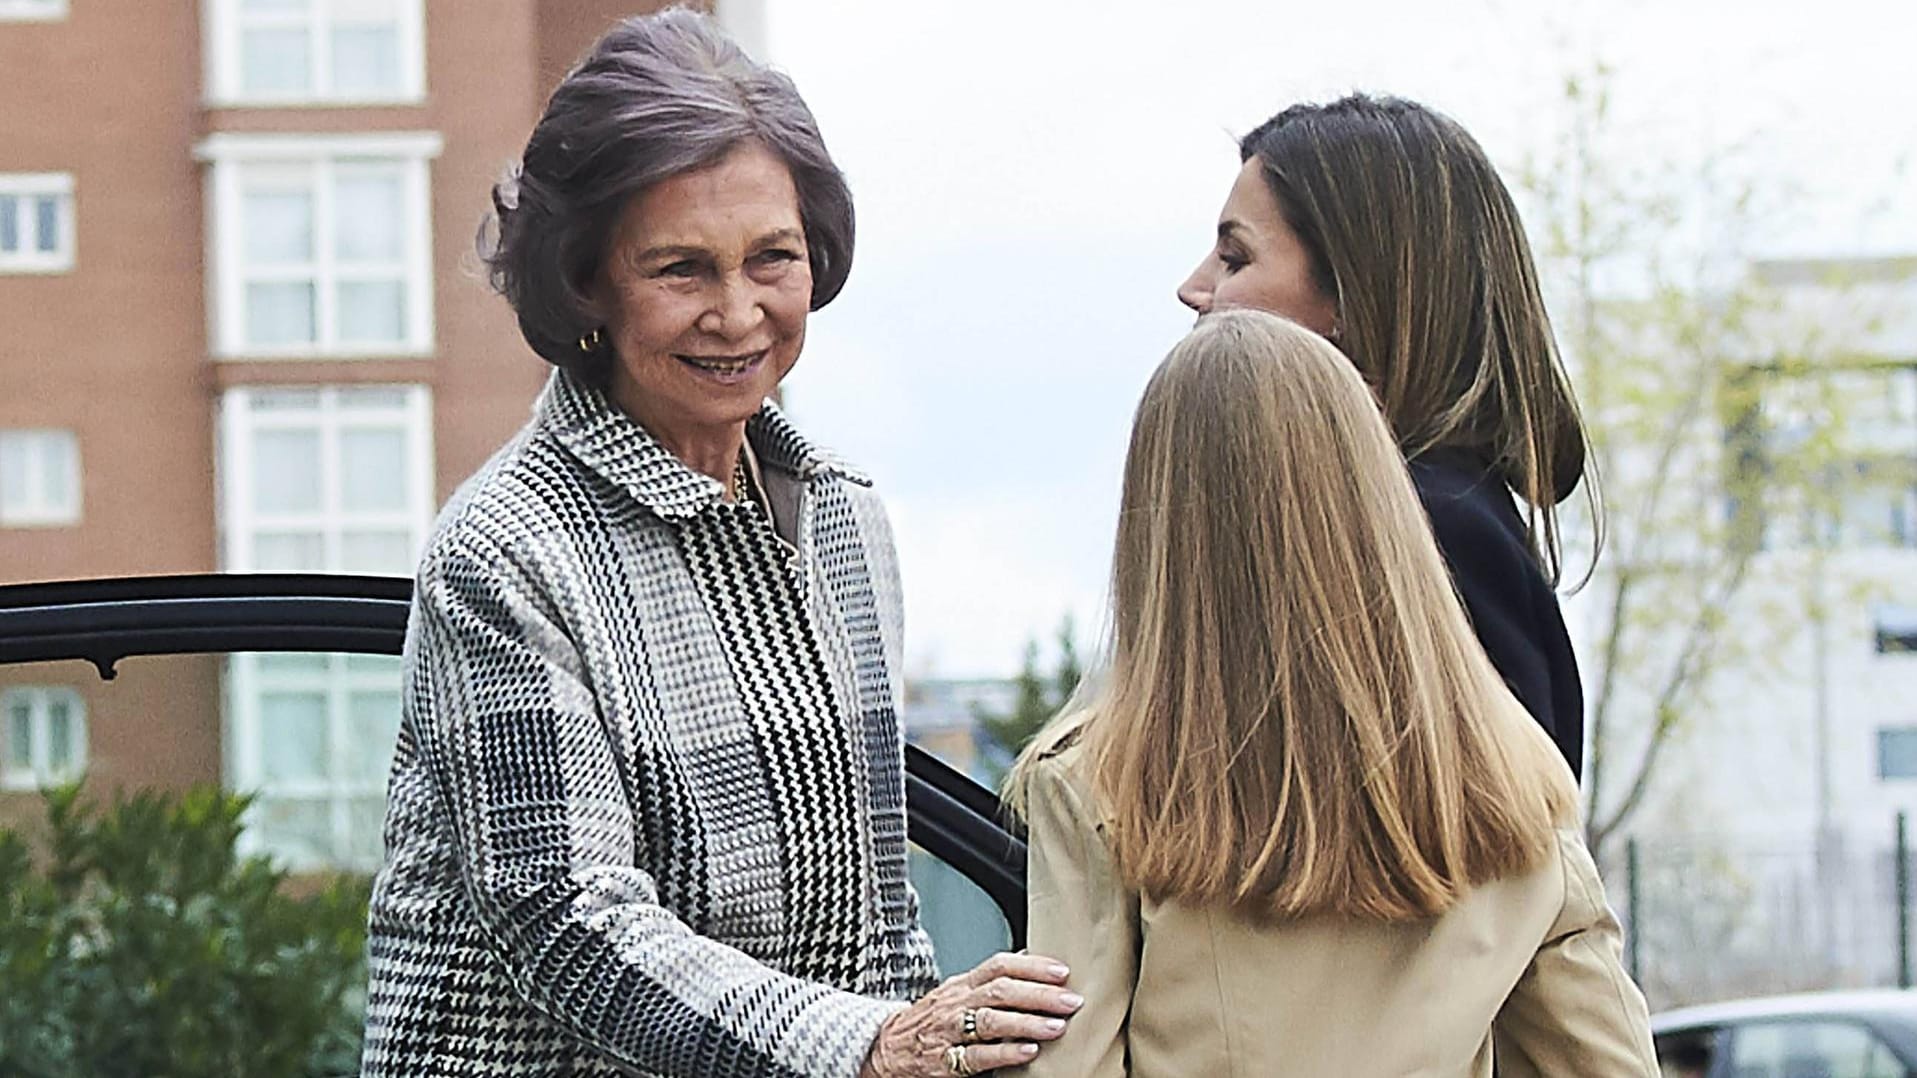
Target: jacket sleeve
{"points": [[545, 837], [882, 569], [1080, 914], [1575, 1012]]}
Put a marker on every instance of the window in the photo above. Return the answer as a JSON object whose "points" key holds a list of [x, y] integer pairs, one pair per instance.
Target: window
{"points": [[322, 246], [326, 480], [1879, 409], [32, 10], [39, 478], [1791, 1048], [311, 736], [1864, 493], [1873, 504], [1688, 1054], [322, 480], [1861, 504], [965, 925], [46, 737], [1897, 752], [299, 52], [36, 221], [1896, 629]]}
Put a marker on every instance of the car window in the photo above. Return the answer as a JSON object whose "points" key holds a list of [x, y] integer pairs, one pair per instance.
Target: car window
{"points": [[309, 736], [966, 926], [1811, 1049], [944, 719], [1689, 1053]]}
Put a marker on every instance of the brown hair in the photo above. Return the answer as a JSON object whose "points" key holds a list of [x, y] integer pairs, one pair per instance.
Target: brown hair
{"points": [[1296, 717], [1417, 242]]}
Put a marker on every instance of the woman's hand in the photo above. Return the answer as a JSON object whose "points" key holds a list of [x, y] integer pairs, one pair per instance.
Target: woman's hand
{"points": [[1017, 1001]]}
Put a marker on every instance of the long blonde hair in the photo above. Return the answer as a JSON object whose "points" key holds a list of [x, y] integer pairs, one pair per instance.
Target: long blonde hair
{"points": [[1296, 717]]}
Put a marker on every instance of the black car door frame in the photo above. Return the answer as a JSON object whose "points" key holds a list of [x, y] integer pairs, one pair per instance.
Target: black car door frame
{"points": [[104, 621]]}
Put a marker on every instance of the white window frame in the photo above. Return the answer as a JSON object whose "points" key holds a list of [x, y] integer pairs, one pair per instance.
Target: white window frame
{"points": [[39, 510], [223, 28], [335, 680], [240, 525], [337, 793], [39, 774], [230, 156], [29, 259], [32, 10]]}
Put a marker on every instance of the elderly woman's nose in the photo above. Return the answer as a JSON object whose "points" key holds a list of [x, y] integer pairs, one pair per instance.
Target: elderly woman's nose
{"points": [[735, 311]]}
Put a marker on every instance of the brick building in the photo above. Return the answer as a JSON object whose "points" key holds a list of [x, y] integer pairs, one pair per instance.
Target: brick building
{"points": [[242, 328]]}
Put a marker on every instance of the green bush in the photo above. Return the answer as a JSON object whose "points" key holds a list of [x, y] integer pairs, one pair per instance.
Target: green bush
{"points": [[142, 944]]}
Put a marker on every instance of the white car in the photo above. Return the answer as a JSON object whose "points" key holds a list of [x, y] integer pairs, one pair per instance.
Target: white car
{"points": [[1864, 1034]]}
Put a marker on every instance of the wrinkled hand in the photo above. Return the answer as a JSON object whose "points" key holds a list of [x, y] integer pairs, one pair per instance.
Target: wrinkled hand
{"points": [[1021, 1002]]}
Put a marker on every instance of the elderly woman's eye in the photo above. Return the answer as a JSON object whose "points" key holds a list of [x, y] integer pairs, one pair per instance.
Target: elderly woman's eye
{"points": [[681, 268], [778, 254]]}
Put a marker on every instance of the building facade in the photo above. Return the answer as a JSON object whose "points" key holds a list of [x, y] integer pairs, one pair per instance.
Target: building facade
{"points": [[245, 330], [1765, 834]]}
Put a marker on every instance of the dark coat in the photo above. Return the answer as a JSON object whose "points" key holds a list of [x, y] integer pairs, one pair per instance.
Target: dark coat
{"points": [[1510, 600]]}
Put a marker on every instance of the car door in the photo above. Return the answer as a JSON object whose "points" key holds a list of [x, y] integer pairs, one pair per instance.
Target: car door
{"points": [[1811, 1047], [287, 687]]}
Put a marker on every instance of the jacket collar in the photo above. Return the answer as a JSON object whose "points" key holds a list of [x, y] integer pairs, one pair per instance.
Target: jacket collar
{"points": [[588, 425]]}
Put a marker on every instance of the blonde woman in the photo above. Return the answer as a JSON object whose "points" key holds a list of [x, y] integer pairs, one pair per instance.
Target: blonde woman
{"points": [[1301, 827]]}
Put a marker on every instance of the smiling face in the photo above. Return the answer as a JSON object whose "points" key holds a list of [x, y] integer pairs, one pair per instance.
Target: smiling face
{"points": [[1258, 261], [705, 290]]}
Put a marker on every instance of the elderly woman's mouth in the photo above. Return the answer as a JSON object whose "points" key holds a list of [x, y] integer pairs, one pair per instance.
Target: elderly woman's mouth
{"points": [[723, 365]]}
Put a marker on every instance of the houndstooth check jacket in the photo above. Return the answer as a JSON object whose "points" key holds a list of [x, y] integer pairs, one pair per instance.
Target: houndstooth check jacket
{"points": [[647, 808]]}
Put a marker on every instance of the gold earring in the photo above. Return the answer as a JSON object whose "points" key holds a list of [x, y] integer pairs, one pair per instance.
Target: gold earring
{"points": [[590, 342]]}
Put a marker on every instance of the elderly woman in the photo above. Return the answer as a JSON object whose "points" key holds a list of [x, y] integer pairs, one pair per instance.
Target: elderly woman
{"points": [[647, 809]]}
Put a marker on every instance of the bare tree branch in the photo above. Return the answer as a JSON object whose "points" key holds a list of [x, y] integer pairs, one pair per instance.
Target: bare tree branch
{"points": [[1693, 667]]}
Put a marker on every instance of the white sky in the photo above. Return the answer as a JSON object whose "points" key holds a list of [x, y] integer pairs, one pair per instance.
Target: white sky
{"points": [[1034, 178]]}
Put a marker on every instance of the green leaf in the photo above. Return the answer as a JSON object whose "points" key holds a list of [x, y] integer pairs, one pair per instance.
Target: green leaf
{"points": [[139, 943]]}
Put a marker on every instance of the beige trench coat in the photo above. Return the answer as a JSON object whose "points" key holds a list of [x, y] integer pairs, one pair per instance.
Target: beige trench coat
{"points": [[1523, 977]]}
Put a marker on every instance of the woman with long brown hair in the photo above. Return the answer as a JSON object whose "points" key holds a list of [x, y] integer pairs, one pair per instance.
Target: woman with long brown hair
{"points": [[1382, 225], [1301, 826]]}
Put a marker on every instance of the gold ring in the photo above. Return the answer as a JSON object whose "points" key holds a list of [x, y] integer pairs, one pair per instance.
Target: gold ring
{"points": [[955, 1061], [968, 1024]]}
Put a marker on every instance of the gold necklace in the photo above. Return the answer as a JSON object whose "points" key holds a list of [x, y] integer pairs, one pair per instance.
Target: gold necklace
{"points": [[741, 479]]}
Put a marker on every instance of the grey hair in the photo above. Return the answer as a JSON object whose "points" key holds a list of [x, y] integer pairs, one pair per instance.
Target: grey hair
{"points": [[657, 96]]}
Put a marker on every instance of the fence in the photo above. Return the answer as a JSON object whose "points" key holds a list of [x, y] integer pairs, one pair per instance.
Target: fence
{"points": [[1707, 920]]}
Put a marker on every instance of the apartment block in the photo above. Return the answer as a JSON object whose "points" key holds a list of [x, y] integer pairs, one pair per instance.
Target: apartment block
{"points": [[243, 329]]}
